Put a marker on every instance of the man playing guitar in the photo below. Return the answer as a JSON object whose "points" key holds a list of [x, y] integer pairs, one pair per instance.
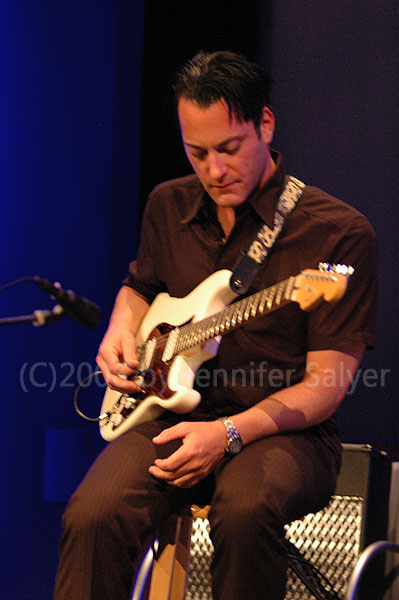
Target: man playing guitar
{"points": [[261, 446]]}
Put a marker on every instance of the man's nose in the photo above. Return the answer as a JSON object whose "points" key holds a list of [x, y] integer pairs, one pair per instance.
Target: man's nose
{"points": [[216, 166]]}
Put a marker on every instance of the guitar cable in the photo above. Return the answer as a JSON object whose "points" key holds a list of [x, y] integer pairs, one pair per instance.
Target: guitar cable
{"points": [[86, 380], [104, 415]]}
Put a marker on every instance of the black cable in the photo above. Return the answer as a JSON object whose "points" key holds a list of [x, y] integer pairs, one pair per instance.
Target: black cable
{"points": [[84, 311], [75, 398], [5, 286], [309, 574]]}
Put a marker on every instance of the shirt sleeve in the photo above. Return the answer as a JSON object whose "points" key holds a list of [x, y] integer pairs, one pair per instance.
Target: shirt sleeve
{"points": [[143, 275], [352, 320]]}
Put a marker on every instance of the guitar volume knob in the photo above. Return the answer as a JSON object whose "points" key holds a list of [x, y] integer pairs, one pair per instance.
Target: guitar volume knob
{"points": [[116, 419]]}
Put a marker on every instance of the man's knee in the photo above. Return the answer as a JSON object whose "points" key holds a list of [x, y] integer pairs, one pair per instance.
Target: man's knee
{"points": [[88, 513], [238, 516]]}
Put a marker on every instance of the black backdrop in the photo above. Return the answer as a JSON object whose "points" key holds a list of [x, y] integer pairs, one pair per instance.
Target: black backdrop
{"points": [[336, 78], [174, 32]]}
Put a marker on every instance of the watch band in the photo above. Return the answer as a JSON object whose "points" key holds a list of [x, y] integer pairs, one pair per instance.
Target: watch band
{"points": [[234, 441]]}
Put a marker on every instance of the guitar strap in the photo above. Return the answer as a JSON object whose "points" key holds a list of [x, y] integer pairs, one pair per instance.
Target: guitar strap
{"points": [[253, 258]]}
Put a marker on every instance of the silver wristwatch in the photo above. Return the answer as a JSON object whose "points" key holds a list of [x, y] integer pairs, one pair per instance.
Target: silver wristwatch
{"points": [[234, 441]]}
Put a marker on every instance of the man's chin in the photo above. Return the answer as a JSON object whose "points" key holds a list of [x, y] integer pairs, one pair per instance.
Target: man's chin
{"points": [[227, 199]]}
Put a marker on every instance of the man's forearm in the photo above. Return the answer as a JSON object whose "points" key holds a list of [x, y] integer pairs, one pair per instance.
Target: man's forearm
{"points": [[307, 403], [129, 309]]}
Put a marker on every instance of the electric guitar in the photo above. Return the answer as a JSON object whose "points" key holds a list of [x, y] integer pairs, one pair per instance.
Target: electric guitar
{"points": [[177, 335]]}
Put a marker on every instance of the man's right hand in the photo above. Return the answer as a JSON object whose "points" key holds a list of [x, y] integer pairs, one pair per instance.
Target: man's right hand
{"points": [[117, 359], [117, 352]]}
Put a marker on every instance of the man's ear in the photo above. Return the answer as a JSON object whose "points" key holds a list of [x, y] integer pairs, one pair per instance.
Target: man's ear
{"points": [[267, 125]]}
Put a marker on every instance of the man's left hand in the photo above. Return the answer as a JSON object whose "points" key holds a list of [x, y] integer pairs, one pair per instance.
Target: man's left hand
{"points": [[202, 448]]}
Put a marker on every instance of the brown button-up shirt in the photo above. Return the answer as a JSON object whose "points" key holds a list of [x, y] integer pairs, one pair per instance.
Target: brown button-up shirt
{"points": [[182, 243]]}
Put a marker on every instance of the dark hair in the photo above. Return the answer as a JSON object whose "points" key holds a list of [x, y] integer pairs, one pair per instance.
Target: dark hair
{"points": [[209, 77]]}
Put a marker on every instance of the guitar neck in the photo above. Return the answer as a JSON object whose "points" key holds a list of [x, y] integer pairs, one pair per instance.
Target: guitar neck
{"points": [[235, 315]]}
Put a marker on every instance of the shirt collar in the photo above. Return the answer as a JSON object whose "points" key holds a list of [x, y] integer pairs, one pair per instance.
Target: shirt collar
{"points": [[263, 201], [197, 206]]}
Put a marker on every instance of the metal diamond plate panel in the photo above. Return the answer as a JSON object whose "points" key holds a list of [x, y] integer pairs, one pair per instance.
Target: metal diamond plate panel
{"points": [[199, 579], [329, 539]]}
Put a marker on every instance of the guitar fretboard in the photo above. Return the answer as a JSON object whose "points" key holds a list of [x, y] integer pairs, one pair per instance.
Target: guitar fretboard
{"points": [[307, 289], [234, 315]]}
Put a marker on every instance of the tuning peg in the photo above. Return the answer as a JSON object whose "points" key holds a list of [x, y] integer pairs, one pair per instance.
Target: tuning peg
{"points": [[340, 269]]}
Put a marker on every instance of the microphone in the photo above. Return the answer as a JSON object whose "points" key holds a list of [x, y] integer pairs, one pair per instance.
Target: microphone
{"points": [[81, 309]]}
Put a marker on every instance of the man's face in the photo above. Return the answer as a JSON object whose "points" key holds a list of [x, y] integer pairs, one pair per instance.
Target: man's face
{"points": [[231, 158]]}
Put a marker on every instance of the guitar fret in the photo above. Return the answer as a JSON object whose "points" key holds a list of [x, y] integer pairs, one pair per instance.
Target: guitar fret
{"points": [[290, 288], [196, 338], [255, 304], [184, 338], [263, 301], [202, 335], [211, 326], [220, 325], [247, 309], [271, 297], [180, 341], [217, 325], [229, 316], [237, 313], [232, 315], [279, 293]]}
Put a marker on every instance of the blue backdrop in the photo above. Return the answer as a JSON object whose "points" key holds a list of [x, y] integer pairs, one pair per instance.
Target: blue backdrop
{"points": [[63, 217]]}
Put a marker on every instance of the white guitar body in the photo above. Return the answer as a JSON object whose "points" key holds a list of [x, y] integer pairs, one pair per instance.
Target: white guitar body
{"points": [[169, 360], [211, 296]]}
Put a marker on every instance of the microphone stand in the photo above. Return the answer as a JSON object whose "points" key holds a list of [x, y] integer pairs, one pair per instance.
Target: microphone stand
{"points": [[69, 304], [37, 318]]}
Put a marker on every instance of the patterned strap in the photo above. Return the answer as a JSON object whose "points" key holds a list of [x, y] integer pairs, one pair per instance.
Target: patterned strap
{"points": [[256, 254]]}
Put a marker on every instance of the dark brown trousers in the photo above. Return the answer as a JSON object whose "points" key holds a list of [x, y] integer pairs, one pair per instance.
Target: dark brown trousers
{"points": [[111, 515]]}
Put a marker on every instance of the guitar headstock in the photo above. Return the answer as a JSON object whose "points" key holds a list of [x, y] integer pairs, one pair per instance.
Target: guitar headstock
{"points": [[329, 283]]}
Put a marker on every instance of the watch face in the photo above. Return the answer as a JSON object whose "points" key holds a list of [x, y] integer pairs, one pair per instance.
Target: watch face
{"points": [[235, 445], [234, 441]]}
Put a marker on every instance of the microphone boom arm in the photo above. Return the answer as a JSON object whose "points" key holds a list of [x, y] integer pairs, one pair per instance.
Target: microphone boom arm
{"points": [[38, 318]]}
